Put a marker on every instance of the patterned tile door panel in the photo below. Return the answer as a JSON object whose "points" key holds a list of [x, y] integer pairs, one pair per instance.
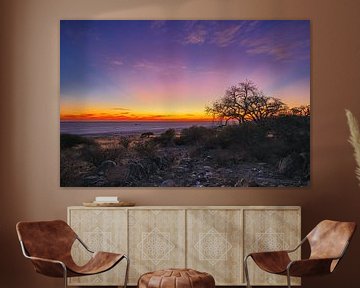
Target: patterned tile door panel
{"points": [[271, 230], [101, 230], [156, 240], [214, 244]]}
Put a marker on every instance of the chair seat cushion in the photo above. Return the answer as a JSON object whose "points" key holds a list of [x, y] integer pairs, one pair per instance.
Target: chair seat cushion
{"points": [[176, 278], [272, 262], [99, 262]]}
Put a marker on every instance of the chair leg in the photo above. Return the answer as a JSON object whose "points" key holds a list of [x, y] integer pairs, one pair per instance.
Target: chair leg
{"points": [[126, 271], [65, 276], [288, 278], [246, 270]]}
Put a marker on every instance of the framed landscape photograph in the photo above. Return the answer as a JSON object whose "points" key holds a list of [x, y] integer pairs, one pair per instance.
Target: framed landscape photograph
{"points": [[184, 103]]}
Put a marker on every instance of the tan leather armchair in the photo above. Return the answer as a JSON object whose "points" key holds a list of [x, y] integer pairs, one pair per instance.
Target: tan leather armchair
{"points": [[328, 242], [48, 245]]}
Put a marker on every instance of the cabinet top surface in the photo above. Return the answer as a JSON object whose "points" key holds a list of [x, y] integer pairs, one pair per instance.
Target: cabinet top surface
{"points": [[192, 207]]}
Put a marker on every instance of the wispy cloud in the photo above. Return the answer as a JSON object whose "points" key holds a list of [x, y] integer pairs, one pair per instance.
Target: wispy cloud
{"points": [[158, 25], [120, 109], [221, 35], [159, 66], [249, 26], [265, 46], [146, 65], [282, 45], [117, 62], [227, 36], [281, 48], [110, 62], [197, 36], [162, 115]]}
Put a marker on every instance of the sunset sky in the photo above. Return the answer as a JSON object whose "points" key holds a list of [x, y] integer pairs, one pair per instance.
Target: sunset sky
{"points": [[170, 70]]}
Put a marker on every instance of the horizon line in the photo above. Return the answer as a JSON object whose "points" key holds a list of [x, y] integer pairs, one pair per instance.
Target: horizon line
{"points": [[136, 120]]}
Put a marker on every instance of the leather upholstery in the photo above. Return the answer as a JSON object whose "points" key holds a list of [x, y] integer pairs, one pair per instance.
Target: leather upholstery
{"points": [[272, 262], [53, 240], [328, 241], [176, 278]]}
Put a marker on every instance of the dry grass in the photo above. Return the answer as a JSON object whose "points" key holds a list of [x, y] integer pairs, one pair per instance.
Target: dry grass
{"points": [[354, 140]]}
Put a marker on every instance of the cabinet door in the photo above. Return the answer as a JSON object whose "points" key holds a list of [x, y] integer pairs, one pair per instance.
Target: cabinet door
{"points": [[156, 240], [100, 230], [271, 230], [214, 244]]}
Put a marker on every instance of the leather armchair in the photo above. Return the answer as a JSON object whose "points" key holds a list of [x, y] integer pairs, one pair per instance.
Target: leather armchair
{"points": [[328, 242], [48, 245]]}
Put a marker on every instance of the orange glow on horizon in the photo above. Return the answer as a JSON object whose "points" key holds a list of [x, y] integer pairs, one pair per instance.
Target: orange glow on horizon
{"points": [[139, 118], [105, 113]]}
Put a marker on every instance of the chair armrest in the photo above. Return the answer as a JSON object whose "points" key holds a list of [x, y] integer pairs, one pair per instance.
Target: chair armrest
{"points": [[298, 246], [48, 267], [280, 251], [45, 260], [84, 245], [271, 261], [309, 267], [268, 253]]}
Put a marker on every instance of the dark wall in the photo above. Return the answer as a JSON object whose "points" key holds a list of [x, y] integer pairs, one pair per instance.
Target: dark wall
{"points": [[29, 119]]}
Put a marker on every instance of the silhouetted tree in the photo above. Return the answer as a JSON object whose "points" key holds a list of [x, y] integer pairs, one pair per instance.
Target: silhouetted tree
{"points": [[245, 102], [301, 110]]}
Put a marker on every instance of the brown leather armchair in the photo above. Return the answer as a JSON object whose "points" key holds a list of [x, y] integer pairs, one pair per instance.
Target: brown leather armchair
{"points": [[328, 242], [48, 245]]}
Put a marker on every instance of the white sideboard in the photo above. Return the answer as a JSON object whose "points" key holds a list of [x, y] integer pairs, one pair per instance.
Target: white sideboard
{"points": [[212, 239]]}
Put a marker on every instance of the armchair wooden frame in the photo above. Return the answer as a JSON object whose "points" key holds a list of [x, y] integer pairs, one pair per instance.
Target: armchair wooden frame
{"points": [[320, 261], [59, 267]]}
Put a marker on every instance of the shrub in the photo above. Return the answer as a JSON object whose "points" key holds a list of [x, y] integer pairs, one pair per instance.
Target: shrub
{"points": [[147, 135], [96, 154], [195, 135], [125, 141], [146, 149], [113, 152], [224, 157], [70, 140], [92, 154], [72, 168], [245, 135], [167, 138], [292, 131]]}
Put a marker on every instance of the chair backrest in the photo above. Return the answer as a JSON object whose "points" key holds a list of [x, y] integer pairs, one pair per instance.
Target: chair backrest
{"points": [[329, 239], [46, 239]]}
